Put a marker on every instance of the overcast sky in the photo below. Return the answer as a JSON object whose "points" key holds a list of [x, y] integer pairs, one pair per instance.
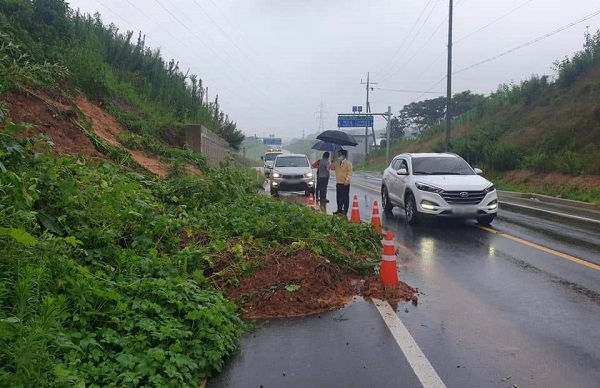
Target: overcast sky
{"points": [[273, 62]]}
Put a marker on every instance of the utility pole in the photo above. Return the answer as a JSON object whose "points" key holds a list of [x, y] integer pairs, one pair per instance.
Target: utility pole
{"points": [[368, 110], [387, 134], [320, 114], [449, 79]]}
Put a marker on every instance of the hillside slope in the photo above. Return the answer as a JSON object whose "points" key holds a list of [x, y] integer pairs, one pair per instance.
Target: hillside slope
{"points": [[540, 135], [62, 119]]}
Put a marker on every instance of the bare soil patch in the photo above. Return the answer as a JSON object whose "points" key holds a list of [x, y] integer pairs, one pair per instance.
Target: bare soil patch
{"points": [[51, 116], [305, 284], [281, 285], [108, 128]]}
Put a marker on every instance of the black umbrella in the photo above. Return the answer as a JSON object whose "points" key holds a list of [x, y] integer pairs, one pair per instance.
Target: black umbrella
{"points": [[337, 137], [324, 146]]}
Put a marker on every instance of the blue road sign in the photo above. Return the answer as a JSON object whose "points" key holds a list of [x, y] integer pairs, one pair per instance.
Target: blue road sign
{"points": [[275, 141], [350, 121]]}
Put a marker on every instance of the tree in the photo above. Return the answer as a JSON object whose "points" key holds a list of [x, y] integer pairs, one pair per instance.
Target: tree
{"points": [[52, 21], [424, 114], [396, 130]]}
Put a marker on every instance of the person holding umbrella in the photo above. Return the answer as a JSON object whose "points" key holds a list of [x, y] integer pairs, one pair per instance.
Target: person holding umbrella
{"points": [[322, 166], [343, 177]]}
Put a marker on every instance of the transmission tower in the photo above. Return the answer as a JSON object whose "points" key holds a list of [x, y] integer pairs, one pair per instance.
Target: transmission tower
{"points": [[320, 116]]}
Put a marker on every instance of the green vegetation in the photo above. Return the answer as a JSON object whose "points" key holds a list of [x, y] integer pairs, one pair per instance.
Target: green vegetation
{"points": [[538, 125], [146, 93], [110, 277]]}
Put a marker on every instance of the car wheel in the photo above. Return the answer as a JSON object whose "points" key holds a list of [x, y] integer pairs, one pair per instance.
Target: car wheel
{"points": [[485, 221], [274, 192], [385, 200], [410, 209]]}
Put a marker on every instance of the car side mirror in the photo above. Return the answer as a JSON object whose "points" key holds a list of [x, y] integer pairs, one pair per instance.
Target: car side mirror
{"points": [[477, 171], [402, 171], [262, 157]]}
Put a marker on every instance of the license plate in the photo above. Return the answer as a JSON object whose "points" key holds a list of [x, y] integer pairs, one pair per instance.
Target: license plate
{"points": [[464, 210]]}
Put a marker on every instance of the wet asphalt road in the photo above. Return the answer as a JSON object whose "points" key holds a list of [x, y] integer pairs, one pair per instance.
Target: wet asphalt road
{"points": [[506, 306]]}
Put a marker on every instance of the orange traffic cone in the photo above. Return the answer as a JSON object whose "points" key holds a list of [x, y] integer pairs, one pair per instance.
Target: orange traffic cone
{"points": [[389, 270], [375, 219], [311, 200], [355, 215]]}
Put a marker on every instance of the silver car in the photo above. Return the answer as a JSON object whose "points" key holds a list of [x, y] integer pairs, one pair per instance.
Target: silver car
{"points": [[292, 172]]}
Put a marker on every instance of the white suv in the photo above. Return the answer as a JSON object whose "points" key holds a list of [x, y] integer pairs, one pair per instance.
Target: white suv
{"points": [[292, 172], [438, 185]]}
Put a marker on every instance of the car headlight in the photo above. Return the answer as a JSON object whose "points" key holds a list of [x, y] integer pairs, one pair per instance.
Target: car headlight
{"points": [[429, 188], [489, 189], [308, 175], [276, 174]]}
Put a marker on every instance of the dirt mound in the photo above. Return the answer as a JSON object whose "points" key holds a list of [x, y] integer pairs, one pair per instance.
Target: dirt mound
{"points": [[305, 284], [108, 128], [51, 115], [281, 285]]}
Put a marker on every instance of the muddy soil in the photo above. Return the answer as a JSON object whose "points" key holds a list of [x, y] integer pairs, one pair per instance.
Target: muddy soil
{"points": [[305, 284]]}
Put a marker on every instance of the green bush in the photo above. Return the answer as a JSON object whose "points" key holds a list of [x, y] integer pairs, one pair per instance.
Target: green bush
{"points": [[110, 278]]}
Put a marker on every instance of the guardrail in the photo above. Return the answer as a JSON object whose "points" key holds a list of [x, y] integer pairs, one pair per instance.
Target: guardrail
{"points": [[576, 211]]}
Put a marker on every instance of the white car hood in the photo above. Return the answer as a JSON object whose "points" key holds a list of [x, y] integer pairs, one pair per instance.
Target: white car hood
{"points": [[293, 170], [454, 182], [269, 163]]}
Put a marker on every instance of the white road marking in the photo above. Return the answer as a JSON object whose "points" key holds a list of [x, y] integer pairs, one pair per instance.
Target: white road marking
{"points": [[417, 360]]}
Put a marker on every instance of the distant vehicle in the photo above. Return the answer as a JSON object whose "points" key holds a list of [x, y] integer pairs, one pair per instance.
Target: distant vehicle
{"points": [[268, 158], [292, 172], [437, 185]]}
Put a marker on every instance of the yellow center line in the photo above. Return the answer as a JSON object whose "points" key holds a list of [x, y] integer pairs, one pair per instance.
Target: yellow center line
{"points": [[520, 240], [365, 187], [543, 248]]}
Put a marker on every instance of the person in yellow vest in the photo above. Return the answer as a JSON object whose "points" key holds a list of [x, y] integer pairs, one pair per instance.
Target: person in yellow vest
{"points": [[343, 177]]}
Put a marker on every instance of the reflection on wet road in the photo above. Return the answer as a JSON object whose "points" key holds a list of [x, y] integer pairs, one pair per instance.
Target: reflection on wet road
{"points": [[513, 305], [497, 310]]}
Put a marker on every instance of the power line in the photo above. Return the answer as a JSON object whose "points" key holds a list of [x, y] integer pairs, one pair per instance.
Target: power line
{"points": [[286, 115], [530, 42], [193, 34], [391, 72], [424, 44], [150, 38], [431, 63], [405, 91], [246, 79], [223, 31], [405, 39], [429, 90], [233, 27], [250, 60], [493, 21]]}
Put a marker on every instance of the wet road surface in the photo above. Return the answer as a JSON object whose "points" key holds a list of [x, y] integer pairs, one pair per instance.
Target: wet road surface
{"points": [[516, 304], [320, 351]]}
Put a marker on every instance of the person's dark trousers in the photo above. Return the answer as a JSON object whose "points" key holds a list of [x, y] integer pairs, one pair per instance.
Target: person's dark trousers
{"points": [[342, 193], [322, 188], [346, 198]]}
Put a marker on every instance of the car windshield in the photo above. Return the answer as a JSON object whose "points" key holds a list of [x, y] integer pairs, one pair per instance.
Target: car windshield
{"points": [[271, 156], [441, 166], [292, 161]]}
